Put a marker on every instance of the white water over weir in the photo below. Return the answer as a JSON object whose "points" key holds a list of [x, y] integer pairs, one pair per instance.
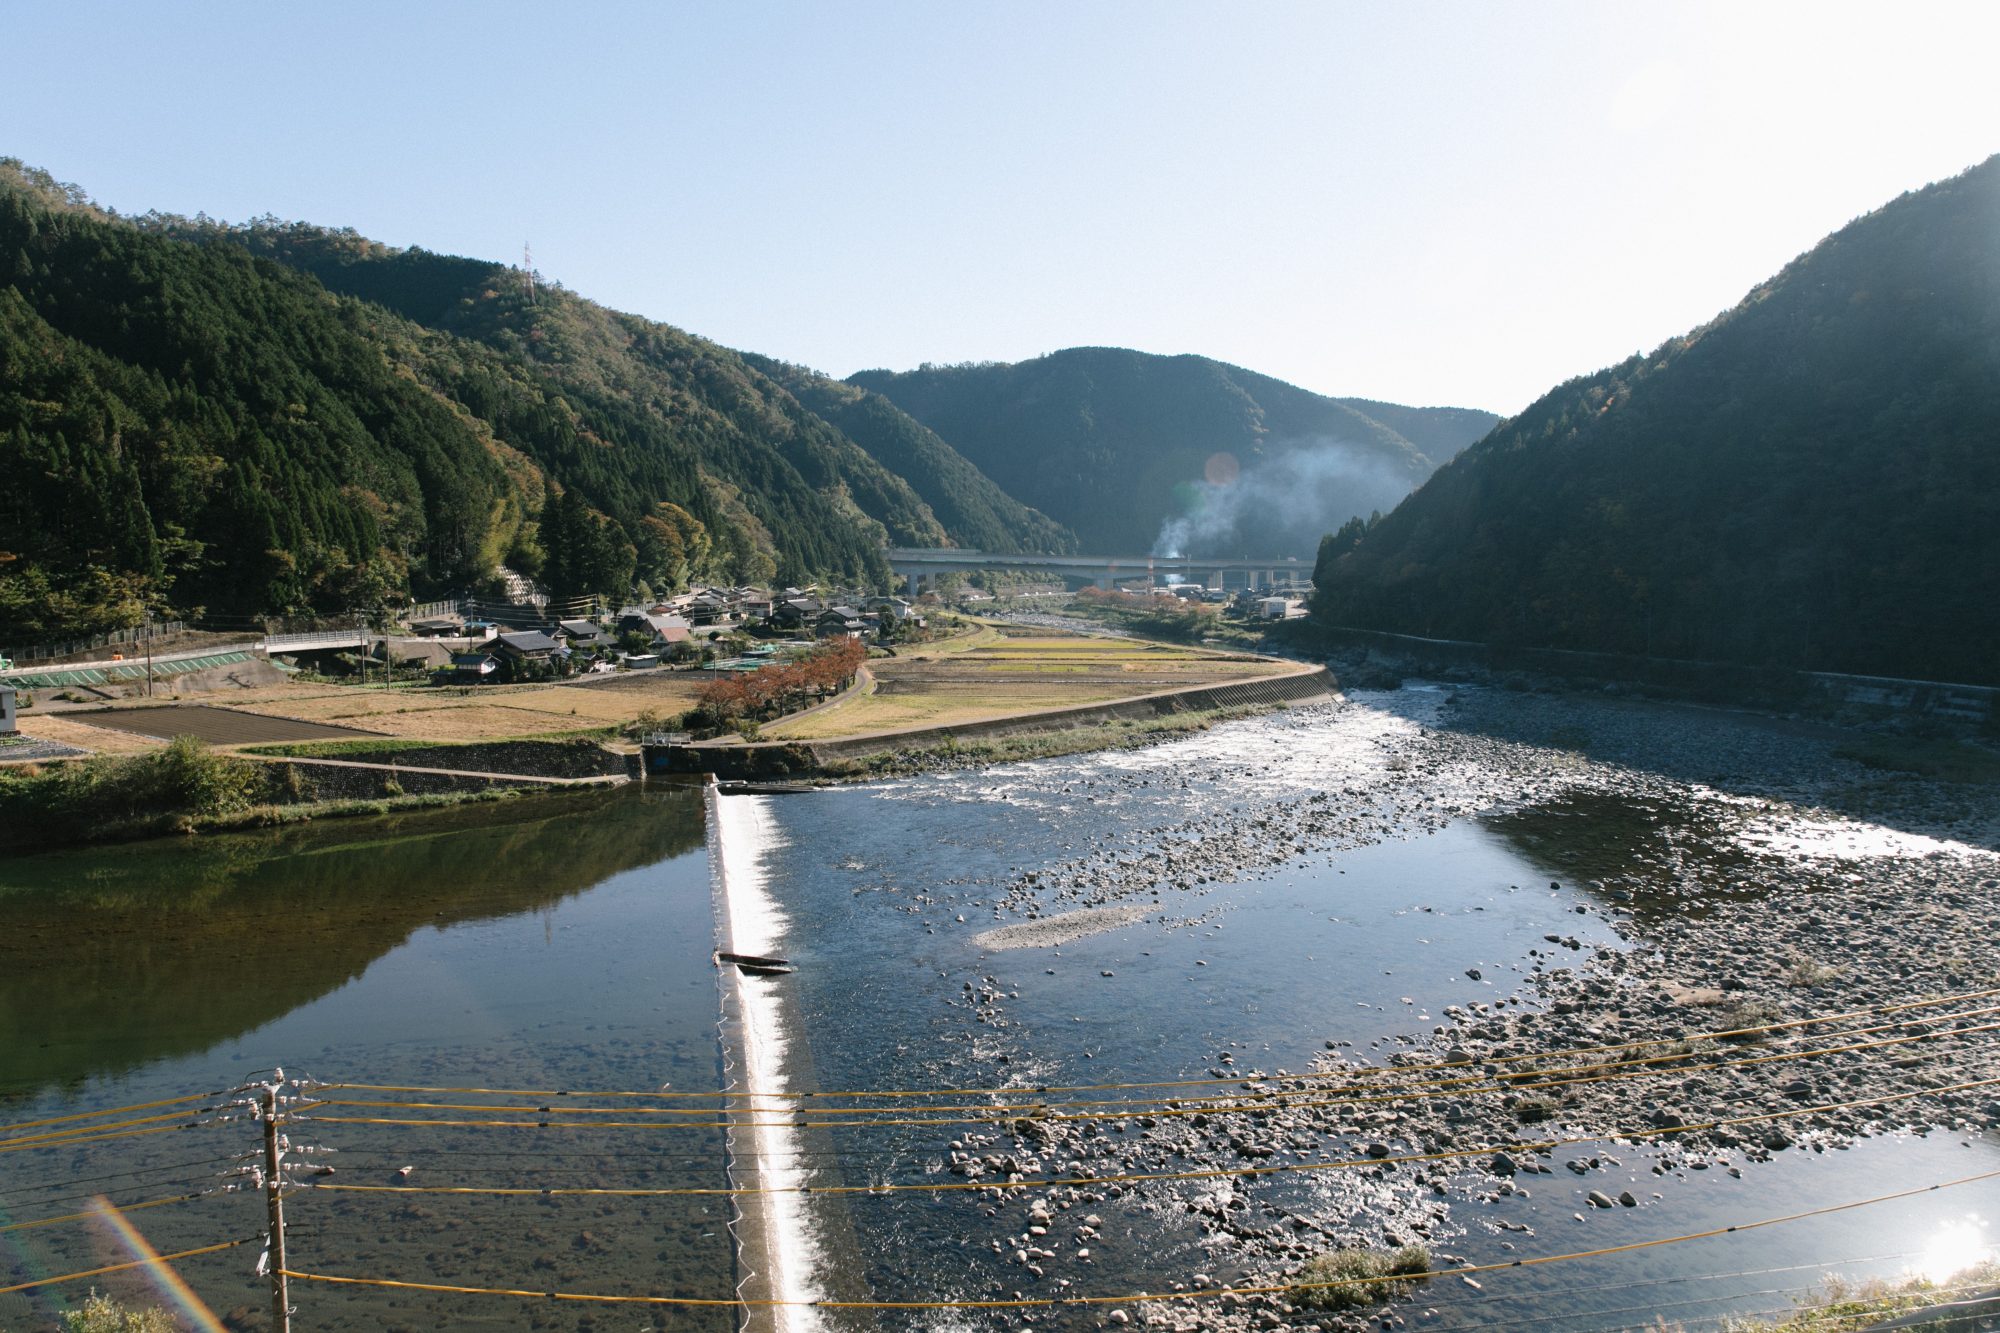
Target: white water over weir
{"points": [[780, 1256]]}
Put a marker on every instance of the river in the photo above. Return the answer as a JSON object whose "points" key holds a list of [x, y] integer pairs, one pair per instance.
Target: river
{"points": [[1300, 902]]}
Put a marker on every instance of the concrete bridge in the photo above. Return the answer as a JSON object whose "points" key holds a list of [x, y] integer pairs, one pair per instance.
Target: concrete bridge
{"points": [[920, 567]]}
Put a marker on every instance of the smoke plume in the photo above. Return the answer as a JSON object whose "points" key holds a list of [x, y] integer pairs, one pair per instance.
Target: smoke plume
{"points": [[1280, 506]]}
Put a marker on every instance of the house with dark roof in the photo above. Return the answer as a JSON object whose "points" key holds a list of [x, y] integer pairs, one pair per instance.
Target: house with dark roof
{"points": [[527, 646], [893, 608], [583, 633], [796, 612], [837, 621]]}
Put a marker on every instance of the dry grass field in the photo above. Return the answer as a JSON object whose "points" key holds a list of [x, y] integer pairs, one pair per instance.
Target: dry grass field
{"points": [[988, 672], [420, 714], [1000, 671]]}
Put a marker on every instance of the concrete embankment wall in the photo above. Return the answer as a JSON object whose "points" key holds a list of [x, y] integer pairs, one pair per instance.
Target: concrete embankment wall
{"points": [[431, 769], [367, 782], [1968, 706], [526, 759], [364, 774], [781, 759]]}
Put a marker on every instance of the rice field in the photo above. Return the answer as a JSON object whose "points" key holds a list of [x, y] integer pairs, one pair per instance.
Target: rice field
{"points": [[1001, 671]]}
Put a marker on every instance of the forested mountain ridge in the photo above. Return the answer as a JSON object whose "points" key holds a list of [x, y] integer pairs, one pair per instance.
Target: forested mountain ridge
{"points": [[1810, 480], [965, 500], [172, 417], [1136, 452], [279, 417], [695, 391], [902, 469]]}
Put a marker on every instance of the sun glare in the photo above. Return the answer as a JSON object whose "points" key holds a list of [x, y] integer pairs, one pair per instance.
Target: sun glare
{"points": [[1955, 1247]]}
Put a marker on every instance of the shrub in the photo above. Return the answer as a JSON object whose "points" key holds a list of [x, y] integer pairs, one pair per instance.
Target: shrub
{"points": [[101, 1314], [1534, 1110], [1809, 972], [183, 781], [1751, 1013], [1359, 1276]]}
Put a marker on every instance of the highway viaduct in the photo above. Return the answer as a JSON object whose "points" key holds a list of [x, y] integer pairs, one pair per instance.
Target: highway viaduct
{"points": [[919, 567]]}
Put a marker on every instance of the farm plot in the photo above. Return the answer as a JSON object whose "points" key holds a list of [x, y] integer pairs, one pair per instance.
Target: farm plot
{"points": [[999, 674]]}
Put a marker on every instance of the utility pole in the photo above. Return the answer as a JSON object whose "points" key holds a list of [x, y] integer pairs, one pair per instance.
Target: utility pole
{"points": [[274, 1203], [149, 654]]}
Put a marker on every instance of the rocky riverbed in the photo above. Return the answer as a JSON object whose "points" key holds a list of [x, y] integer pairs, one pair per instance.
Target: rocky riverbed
{"points": [[1743, 873]]}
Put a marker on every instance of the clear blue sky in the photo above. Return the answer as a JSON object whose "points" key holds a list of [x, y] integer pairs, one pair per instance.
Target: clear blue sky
{"points": [[1428, 203]]}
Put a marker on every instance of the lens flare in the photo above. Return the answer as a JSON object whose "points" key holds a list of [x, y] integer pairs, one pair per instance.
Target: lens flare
{"points": [[170, 1284]]}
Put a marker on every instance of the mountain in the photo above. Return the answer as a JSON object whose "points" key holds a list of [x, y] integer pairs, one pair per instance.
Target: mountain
{"points": [[170, 414], [282, 418], [1810, 480], [974, 510], [1171, 454]]}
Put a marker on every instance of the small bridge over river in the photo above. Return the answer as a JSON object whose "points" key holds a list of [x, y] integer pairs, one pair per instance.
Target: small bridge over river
{"points": [[920, 567]]}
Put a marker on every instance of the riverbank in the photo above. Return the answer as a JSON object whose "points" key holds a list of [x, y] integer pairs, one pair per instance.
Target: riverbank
{"points": [[185, 789]]}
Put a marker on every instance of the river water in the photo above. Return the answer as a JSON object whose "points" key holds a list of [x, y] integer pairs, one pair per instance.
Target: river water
{"points": [[1257, 897]]}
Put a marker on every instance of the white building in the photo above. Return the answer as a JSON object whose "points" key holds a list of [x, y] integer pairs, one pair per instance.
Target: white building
{"points": [[6, 710]]}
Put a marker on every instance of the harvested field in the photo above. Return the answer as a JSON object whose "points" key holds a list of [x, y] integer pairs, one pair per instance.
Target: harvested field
{"points": [[482, 712], [217, 726], [1007, 670]]}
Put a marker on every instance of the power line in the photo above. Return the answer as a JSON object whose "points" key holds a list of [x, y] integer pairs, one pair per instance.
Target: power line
{"points": [[1044, 1302], [1384, 1072], [1205, 1173], [1235, 1103], [114, 1175], [119, 1268], [110, 1110], [123, 1208]]}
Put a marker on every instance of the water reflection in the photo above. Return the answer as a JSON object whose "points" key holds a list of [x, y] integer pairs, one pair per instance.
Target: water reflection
{"points": [[1662, 857], [568, 947], [111, 958]]}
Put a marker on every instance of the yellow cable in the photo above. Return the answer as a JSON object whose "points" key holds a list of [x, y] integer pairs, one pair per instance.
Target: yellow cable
{"points": [[1236, 1103], [119, 1268], [79, 1217], [797, 1122], [109, 1110], [1040, 1302], [1206, 1173], [1383, 1071], [100, 1138]]}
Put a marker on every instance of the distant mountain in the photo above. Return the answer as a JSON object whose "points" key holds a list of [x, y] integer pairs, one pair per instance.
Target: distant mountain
{"points": [[973, 509], [1811, 480], [1170, 454], [282, 418]]}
